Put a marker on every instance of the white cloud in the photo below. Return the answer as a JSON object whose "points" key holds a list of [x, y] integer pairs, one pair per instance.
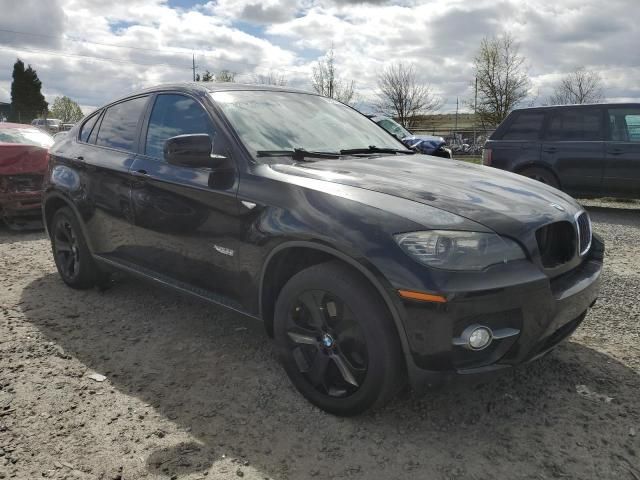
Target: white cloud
{"points": [[255, 36]]}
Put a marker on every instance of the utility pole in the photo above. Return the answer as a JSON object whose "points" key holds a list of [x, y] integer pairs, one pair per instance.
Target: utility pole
{"points": [[456, 129], [475, 114], [193, 62]]}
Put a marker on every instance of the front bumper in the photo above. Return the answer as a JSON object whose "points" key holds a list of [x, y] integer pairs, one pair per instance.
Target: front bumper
{"points": [[544, 312]]}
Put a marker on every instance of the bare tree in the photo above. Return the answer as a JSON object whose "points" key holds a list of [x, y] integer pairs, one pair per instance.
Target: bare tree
{"points": [[271, 78], [578, 87], [503, 82], [403, 96], [225, 76], [325, 81]]}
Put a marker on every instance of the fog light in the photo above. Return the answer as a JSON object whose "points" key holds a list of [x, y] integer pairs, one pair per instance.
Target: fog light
{"points": [[480, 338], [477, 337]]}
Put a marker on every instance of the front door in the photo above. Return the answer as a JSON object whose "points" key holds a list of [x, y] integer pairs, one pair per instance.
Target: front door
{"points": [[185, 218], [622, 166], [573, 144]]}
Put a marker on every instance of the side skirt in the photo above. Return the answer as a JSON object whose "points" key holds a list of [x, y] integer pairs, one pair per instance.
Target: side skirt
{"points": [[179, 286]]}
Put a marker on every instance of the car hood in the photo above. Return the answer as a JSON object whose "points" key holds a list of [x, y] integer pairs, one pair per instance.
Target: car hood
{"points": [[504, 202], [17, 158]]}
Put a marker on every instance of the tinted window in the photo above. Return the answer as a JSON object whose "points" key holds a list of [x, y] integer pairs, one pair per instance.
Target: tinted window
{"points": [[174, 115], [87, 127], [118, 127], [526, 126], [624, 124], [575, 124]]}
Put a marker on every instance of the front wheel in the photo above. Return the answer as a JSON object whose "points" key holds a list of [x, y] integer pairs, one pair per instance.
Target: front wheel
{"points": [[70, 252], [336, 340], [541, 175]]}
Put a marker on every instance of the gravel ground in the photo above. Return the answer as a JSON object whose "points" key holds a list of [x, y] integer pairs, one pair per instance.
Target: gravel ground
{"points": [[194, 392]]}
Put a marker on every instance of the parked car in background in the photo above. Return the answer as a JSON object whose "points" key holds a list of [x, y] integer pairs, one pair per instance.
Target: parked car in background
{"points": [[51, 125], [23, 162], [371, 265], [67, 126], [585, 150], [427, 144]]}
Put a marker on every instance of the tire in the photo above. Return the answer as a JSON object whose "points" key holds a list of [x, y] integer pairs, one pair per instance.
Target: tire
{"points": [[337, 341], [541, 175], [71, 254]]}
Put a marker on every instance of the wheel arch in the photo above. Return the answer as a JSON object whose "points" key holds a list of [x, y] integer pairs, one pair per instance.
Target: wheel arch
{"points": [[542, 166], [53, 202], [281, 265]]}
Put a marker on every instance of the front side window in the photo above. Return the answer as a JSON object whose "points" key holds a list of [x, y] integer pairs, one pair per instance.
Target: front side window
{"points": [[275, 121], [575, 125], [119, 124], [526, 126], [174, 115], [624, 124]]}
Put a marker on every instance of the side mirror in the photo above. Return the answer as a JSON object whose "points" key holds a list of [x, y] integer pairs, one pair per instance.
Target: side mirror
{"points": [[192, 151]]}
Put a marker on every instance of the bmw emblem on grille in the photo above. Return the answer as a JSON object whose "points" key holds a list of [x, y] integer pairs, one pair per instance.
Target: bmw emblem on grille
{"points": [[558, 207]]}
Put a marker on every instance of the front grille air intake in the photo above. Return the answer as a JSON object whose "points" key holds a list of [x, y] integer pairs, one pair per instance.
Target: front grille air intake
{"points": [[557, 243], [583, 224]]}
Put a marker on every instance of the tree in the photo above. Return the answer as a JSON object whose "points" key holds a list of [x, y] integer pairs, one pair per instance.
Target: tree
{"points": [[325, 81], [272, 78], [403, 96], [66, 110], [27, 101], [502, 79], [223, 76], [578, 87]]}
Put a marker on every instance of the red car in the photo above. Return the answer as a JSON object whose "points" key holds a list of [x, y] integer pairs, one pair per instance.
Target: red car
{"points": [[23, 162]]}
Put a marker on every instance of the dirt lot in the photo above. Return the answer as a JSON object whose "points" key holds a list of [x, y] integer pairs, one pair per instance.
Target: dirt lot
{"points": [[192, 391]]}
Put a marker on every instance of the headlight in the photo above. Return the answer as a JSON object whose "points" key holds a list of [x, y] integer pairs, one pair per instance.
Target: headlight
{"points": [[453, 250]]}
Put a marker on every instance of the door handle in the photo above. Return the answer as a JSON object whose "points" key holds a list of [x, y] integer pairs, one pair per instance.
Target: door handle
{"points": [[80, 158], [616, 151], [550, 150], [140, 173]]}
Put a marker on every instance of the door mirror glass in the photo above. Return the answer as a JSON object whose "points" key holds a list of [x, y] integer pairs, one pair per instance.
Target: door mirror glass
{"points": [[191, 151]]}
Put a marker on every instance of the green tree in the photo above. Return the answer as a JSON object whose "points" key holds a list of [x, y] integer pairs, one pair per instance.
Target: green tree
{"points": [[66, 110], [27, 101]]}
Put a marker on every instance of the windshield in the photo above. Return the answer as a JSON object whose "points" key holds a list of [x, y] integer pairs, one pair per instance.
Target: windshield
{"points": [[394, 128], [27, 136], [271, 120]]}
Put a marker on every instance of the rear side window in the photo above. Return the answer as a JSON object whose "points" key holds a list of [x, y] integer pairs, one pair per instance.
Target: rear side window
{"points": [[624, 124], [119, 124], [174, 115], [575, 125], [526, 126], [87, 127]]}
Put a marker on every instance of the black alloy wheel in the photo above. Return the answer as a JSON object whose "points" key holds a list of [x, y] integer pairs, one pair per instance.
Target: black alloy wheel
{"points": [[66, 249], [337, 341], [71, 254], [327, 343]]}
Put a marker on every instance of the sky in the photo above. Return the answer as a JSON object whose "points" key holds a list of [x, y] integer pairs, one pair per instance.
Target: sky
{"points": [[96, 50]]}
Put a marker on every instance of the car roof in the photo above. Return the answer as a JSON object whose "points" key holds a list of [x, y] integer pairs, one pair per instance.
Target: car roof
{"points": [[585, 105], [207, 87]]}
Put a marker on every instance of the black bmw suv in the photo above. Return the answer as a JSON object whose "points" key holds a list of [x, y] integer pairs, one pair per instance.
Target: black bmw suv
{"points": [[585, 150], [371, 267]]}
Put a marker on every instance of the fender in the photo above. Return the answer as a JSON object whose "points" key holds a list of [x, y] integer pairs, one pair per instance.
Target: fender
{"points": [[375, 278], [57, 194]]}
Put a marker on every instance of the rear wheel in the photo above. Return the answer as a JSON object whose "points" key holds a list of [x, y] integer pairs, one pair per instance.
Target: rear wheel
{"points": [[337, 341], [541, 175], [70, 252]]}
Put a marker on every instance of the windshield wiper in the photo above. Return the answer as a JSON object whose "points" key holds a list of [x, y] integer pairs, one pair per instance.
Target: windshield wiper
{"points": [[299, 154], [374, 149]]}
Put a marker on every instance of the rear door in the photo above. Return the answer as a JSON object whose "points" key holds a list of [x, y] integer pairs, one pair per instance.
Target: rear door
{"points": [[186, 219], [518, 144], [622, 170], [105, 153], [574, 147]]}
